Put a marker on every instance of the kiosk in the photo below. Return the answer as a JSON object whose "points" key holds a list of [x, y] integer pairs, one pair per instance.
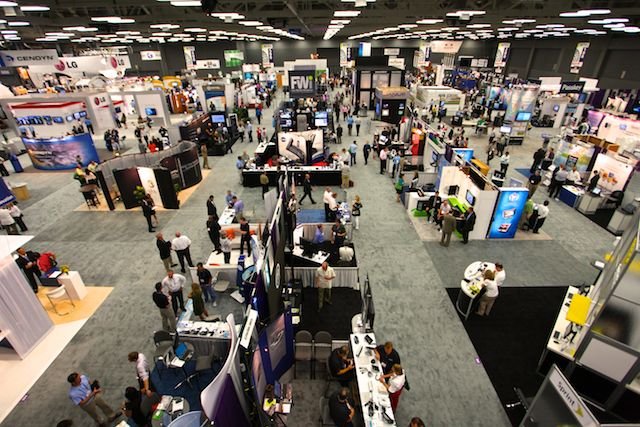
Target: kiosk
{"points": [[390, 104]]}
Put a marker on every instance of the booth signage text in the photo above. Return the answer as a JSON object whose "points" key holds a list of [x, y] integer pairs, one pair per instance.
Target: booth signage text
{"points": [[302, 83], [445, 46], [571, 399], [17, 58], [571, 87]]}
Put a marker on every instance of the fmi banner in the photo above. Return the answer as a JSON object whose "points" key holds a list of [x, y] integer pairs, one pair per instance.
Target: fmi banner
{"points": [[302, 83], [19, 58]]}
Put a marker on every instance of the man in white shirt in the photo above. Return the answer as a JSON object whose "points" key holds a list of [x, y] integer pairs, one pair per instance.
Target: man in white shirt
{"points": [[333, 207], [181, 245], [142, 372], [573, 177], [172, 287], [504, 163], [383, 160], [7, 221], [325, 198], [346, 253], [323, 280], [16, 214], [543, 211], [500, 274]]}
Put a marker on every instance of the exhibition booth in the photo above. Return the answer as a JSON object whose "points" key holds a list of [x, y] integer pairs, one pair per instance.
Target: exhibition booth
{"points": [[208, 128], [146, 104], [370, 74], [447, 98], [161, 174], [390, 104]]}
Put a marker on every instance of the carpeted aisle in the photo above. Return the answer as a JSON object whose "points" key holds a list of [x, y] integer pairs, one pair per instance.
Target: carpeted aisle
{"points": [[510, 341], [334, 318]]}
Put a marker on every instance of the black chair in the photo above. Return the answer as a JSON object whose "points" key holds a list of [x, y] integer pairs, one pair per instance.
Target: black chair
{"points": [[614, 200], [163, 342]]}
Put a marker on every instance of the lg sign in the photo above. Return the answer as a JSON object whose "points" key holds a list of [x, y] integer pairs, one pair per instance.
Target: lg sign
{"points": [[98, 100], [63, 65]]}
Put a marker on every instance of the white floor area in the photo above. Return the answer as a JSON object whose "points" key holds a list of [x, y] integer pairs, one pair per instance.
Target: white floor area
{"points": [[18, 376]]}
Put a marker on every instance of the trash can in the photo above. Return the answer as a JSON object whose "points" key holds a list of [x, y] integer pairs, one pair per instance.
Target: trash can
{"points": [[21, 191]]}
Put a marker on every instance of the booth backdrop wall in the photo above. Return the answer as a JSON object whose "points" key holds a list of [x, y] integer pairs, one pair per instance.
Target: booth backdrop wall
{"points": [[60, 153]]}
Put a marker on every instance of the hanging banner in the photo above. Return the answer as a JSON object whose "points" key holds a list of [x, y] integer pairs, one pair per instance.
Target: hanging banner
{"points": [[445, 46], [302, 83], [18, 58], [233, 58], [6, 196], [208, 64], [421, 56], [267, 55], [507, 212], [150, 55], [346, 58], [392, 51], [190, 57], [502, 55], [61, 153], [578, 57], [80, 65]]}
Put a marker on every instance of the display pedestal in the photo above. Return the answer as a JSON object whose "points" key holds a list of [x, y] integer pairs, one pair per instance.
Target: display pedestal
{"points": [[21, 191], [589, 203], [73, 284], [619, 222]]}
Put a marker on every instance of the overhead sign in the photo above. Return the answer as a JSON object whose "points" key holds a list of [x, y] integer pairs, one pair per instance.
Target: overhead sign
{"points": [[19, 58], [571, 87], [233, 58], [208, 64], [267, 55], [396, 62], [364, 49], [502, 55], [445, 46], [392, 51], [190, 57], [346, 58], [302, 83], [578, 57], [571, 399], [150, 55], [79, 65]]}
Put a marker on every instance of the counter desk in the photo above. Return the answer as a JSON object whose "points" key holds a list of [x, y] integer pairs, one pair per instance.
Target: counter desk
{"points": [[469, 286], [372, 392], [571, 195], [320, 175]]}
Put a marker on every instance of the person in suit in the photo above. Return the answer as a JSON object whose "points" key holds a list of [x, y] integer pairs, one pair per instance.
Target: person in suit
{"points": [[213, 228], [164, 248], [468, 224], [147, 211], [306, 185], [211, 207], [448, 225], [27, 261], [593, 182], [433, 206]]}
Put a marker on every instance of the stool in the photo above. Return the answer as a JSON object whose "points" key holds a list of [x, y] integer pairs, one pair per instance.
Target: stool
{"points": [[59, 292]]}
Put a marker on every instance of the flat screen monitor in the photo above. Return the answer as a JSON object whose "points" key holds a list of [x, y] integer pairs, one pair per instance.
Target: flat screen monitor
{"points": [[58, 119], [453, 190], [523, 116], [308, 247], [150, 111], [70, 118], [76, 115], [465, 62], [556, 108], [434, 157], [505, 129], [471, 199], [217, 118], [321, 119], [83, 114]]}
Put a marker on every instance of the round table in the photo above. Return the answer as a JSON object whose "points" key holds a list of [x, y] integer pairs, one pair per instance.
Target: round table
{"points": [[468, 286], [167, 416]]}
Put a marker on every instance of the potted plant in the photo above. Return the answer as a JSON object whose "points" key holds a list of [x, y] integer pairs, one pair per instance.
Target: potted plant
{"points": [[64, 269], [139, 193]]}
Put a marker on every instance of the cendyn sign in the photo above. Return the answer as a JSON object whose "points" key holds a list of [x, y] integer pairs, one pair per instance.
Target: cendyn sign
{"points": [[19, 58]]}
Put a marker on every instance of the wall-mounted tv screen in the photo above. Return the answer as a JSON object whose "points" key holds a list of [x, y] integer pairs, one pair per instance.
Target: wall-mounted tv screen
{"points": [[471, 199], [321, 119], [218, 118], [83, 114], [523, 116], [151, 111], [70, 118], [58, 119], [505, 129]]}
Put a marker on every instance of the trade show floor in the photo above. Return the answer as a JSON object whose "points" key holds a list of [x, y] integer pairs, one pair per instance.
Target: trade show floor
{"points": [[408, 280], [334, 318]]}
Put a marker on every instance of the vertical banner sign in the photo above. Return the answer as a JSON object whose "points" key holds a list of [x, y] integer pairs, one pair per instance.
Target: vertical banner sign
{"points": [[421, 56], [578, 57], [502, 54], [507, 212], [267, 55], [6, 195], [190, 57], [344, 47]]}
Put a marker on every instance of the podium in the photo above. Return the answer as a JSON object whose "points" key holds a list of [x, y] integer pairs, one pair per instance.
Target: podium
{"points": [[73, 284]]}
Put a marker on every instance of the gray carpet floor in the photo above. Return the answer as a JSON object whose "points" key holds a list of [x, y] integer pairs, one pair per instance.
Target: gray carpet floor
{"points": [[408, 278]]}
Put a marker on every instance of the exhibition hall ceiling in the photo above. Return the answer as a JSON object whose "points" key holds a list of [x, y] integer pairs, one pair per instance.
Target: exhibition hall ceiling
{"points": [[118, 22]]}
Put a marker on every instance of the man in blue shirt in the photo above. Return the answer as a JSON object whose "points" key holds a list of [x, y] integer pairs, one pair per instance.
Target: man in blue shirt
{"points": [[238, 206], [229, 197], [353, 149], [89, 398], [319, 235], [240, 166]]}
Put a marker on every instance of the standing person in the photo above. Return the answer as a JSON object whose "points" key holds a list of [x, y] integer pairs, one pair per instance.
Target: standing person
{"points": [[396, 163], [323, 280], [366, 150], [433, 206], [538, 156], [534, 182], [241, 132], [339, 233], [593, 182], [345, 171], [225, 245], [142, 372], [491, 151], [88, 397], [491, 293], [249, 128], [468, 224], [504, 163], [142, 147], [339, 131], [240, 167], [211, 207], [326, 198], [205, 156], [548, 159], [181, 245], [353, 150], [89, 125], [237, 205], [502, 144], [199, 308], [206, 284], [28, 263], [341, 408], [356, 206], [558, 179], [7, 221], [349, 124], [123, 121], [500, 274], [543, 212], [164, 248], [17, 216], [147, 211], [572, 177], [264, 182], [395, 384], [387, 356], [416, 422], [383, 160], [245, 230], [399, 186], [259, 113], [306, 188], [172, 286], [213, 229], [448, 226], [357, 123]]}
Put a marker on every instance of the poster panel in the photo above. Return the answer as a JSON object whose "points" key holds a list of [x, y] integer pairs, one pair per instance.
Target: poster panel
{"points": [[61, 153]]}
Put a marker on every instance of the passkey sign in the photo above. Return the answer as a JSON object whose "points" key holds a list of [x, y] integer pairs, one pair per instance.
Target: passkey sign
{"points": [[302, 83], [20, 58]]}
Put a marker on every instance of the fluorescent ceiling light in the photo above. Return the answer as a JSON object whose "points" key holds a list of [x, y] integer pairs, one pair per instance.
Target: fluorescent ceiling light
{"points": [[230, 15], [479, 26], [407, 26], [193, 3], [585, 12], [267, 27], [608, 21], [195, 30], [462, 13], [250, 23], [429, 21], [519, 21], [34, 8], [9, 32], [162, 34], [18, 24], [346, 13], [614, 26], [8, 4], [164, 26], [340, 21]]}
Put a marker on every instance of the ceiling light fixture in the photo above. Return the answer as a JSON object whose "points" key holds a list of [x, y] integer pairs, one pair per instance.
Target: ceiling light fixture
{"points": [[18, 24], [34, 8], [250, 23], [346, 13], [519, 21], [189, 3], [429, 21], [585, 12], [8, 4], [608, 21]]}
